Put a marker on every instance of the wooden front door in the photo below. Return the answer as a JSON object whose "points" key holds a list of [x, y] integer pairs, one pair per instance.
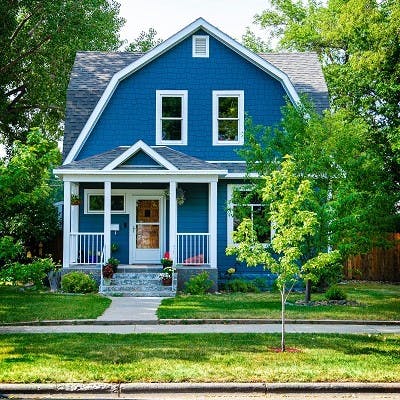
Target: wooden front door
{"points": [[147, 230]]}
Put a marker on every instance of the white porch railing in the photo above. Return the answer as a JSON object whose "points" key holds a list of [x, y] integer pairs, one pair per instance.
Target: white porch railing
{"points": [[193, 248], [86, 248]]}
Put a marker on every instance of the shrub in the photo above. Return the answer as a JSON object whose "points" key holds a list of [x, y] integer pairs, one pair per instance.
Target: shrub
{"points": [[34, 272], [261, 284], [10, 250], [78, 282], [335, 293], [328, 276], [242, 286], [198, 284]]}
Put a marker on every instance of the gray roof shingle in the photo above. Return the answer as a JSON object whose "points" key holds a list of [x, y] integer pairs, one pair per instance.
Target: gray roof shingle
{"points": [[92, 71], [181, 161]]}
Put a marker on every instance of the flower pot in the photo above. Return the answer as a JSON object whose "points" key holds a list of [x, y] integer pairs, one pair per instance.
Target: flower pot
{"points": [[106, 281], [167, 281]]}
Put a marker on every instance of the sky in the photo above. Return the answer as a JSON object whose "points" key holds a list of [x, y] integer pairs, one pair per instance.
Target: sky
{"points": [[169, 16]]}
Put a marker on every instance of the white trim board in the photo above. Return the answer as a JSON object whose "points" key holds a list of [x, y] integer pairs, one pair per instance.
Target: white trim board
{"points": [[199, 23], [139, 146]]}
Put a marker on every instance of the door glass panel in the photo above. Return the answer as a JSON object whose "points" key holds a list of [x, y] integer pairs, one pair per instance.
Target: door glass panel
{"points": [[147, 211], [147, 237], [147, 224]]}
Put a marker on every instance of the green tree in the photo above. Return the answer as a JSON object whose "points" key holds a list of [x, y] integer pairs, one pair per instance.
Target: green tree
{"points": [[255, 43], [26, 208], [39, 40], [290, 201], [355, 199], [144, 42], [358, 42]]}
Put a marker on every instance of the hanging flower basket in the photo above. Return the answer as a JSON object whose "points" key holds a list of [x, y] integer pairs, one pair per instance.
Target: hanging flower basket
{"points": [[75, 200]]}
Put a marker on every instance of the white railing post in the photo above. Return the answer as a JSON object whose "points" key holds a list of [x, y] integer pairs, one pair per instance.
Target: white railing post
{"points": [[173, 221], [67, 224], [212, 223], [107, 220], [190, 246]]}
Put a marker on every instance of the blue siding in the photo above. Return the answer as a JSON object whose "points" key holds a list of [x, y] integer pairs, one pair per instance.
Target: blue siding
{"points": [[130, 113], [193, 214], [140, 158]]}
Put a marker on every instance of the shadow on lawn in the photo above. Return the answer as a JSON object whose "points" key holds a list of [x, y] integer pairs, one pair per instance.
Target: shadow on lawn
{"points": [[126, 349]]}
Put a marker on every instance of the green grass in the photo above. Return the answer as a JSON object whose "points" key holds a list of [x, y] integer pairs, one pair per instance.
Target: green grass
{"points": [[376, 302], [18, 305], [198, 358]]}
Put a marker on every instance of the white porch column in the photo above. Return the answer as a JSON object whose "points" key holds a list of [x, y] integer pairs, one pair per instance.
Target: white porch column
{"points": [[212, 222], [74, 225], [107, 220], [67, 224], [173, 220]]}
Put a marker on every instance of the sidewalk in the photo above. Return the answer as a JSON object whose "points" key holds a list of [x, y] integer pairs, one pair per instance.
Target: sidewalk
{"points": [[224, 327], [127, 315]]}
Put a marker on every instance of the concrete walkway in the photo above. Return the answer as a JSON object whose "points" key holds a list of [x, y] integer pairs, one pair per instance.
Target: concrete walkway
{"points": [[131, 309]]}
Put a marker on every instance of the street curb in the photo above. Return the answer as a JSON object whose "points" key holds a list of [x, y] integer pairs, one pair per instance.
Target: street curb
{"points": [[135, 388], [204, 321]]}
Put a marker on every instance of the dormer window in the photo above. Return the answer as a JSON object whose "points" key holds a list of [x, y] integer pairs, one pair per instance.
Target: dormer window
{"points": [[228, 117], [171, 117], [200, 46]]}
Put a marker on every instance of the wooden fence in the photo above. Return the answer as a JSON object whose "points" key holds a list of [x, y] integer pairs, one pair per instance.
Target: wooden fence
{"points": [[378, 265]]}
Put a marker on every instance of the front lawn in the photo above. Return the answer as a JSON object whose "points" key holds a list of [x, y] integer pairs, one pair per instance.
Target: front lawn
{"points": [[198, 358], [18, 304], [376, 302]]}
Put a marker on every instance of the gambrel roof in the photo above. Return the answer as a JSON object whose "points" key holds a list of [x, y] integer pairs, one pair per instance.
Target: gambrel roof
{"points": [[96, 74]]}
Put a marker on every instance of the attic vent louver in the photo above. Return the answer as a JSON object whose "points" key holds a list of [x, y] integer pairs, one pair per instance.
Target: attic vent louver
{"points": [[200, 46]]}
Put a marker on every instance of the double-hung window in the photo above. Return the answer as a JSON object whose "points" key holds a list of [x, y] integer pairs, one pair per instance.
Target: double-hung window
{"points": [[244, 204], [171, 117], [228, 117]]}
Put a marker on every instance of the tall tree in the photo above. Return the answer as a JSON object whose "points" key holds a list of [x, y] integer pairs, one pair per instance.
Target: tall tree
{"points": [[144, 42], [358, 42], [27, 211], [39, 39], [355, 199], [255, 43]]}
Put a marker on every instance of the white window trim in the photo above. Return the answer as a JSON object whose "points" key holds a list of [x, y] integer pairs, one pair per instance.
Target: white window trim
{"points": [[229, 220], [198, 55], [228, 93], [88, 192], [183, 94]]}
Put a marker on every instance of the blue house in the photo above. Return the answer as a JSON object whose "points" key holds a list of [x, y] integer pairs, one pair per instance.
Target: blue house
{"points": [[150, 146]]}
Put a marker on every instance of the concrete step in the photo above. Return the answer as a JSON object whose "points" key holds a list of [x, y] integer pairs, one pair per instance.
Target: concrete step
{"points": [[143, 284]]}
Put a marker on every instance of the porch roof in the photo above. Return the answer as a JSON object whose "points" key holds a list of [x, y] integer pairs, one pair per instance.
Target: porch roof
{"points": [[180, 161]]}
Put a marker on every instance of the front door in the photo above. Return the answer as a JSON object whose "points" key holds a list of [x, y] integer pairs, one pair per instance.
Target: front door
{"points": [[147, 230]]}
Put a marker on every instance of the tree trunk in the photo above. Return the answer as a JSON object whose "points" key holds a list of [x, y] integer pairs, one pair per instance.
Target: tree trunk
{"points": [[283, 347], [307, 298]]}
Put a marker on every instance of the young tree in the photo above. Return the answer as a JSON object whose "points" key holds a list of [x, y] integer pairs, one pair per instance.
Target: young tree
{"points": [[39, 39], [144, 42], [290, 201], [27, 212]]}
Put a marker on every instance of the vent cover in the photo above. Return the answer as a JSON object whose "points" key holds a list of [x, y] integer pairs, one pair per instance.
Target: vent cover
{"points": [[200, 46]]}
